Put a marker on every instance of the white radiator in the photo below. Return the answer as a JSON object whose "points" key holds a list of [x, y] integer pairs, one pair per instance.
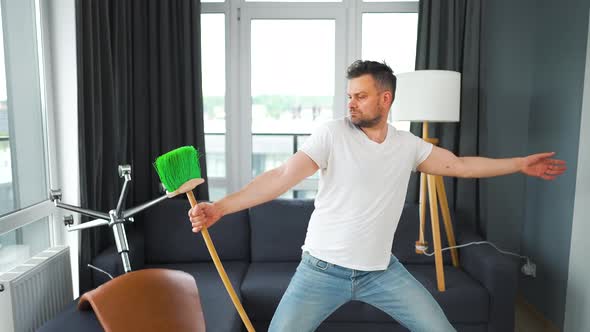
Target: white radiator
{"points": [[33, 292]]}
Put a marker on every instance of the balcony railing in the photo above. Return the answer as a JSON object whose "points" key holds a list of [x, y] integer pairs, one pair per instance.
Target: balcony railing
{"points": [[269, 150]]}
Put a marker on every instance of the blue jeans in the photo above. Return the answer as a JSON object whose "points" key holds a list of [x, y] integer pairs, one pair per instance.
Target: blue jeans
{"points": [[318, 288]]}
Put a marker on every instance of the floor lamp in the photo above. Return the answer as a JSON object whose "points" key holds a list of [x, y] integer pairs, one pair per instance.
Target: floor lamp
{"points": [[430, 96]]}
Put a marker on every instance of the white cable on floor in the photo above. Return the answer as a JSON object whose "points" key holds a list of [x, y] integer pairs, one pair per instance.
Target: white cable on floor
{"points": [[477, 242]]}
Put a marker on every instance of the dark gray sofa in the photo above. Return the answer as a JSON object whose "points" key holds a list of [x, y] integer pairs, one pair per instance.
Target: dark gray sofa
{"points": [[260, 249]]}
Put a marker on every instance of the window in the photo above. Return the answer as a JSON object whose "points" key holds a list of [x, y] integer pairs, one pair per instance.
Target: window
{"points": [[25, 211], [292, 84], [400, 50], [273, 70]]}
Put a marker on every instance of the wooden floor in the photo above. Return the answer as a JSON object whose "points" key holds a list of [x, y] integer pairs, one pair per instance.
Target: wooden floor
{"points": [[528, 319]]}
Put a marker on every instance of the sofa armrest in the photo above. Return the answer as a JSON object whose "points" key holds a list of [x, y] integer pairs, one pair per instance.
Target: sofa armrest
{"points": [[110, 260], [498, 273]]}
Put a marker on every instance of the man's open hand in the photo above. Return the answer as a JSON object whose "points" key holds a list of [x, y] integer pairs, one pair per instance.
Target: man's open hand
{"points": [[541, 165]]}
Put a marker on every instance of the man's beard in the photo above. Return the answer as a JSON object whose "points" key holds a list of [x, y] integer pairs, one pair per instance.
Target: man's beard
{"points": [[367, 123]]}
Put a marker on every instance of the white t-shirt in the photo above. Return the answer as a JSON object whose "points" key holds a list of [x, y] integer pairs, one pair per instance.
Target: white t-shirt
{"points": [[362, 189]]}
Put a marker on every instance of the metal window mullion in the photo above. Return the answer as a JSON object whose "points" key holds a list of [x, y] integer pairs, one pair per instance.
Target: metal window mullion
{"points": [[47, 102], [231, 95], [243, 139], [340, 62]]}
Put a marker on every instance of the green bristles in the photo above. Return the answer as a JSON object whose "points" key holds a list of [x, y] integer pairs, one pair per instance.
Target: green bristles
{"points": [[178, 166]]}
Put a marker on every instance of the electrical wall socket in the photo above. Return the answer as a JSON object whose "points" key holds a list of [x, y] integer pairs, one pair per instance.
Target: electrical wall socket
{"points": [[529, 269]]}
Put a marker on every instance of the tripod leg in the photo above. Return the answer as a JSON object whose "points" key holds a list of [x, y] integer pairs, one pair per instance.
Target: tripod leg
{"points": [[421, 244], [440, 274], [444, 206]]}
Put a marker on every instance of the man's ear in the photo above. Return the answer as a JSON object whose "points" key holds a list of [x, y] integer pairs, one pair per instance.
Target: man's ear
{"points": [[387, 98]]}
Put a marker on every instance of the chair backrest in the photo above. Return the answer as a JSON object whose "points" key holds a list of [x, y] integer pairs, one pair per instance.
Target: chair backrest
{"points": [[147, 300]]}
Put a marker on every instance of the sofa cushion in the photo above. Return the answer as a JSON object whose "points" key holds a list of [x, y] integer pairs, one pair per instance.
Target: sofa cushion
{"points": [[168, 236], [264, 286], [219, 310], [70, 319], [406, 236], [465, 300], [278, 229]]}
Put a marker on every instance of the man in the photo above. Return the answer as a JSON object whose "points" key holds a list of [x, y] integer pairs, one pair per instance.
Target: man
{"points": [[365, 165]]}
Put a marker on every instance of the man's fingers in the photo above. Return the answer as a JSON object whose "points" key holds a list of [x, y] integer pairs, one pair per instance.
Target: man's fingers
{"points": [[542, 156], [194, 211], [554, 162], [556, 169], [551, 172], [198, 209], [198, 226], [545, 154], [198, 220]]}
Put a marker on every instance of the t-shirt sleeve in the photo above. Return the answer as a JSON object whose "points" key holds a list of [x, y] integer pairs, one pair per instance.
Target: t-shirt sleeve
{"points": [[318, 146], [422, 151]]}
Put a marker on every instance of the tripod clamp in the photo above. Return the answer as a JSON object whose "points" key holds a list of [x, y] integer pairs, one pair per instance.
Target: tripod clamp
{"points": [[115, 218]]}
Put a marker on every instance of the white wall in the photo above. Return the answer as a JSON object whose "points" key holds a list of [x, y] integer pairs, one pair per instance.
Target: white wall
{"points": [[60, 54], [578, 292]]}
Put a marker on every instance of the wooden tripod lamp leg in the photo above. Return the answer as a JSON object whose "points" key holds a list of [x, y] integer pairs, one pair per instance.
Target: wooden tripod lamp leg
{"points": [[421, 244], [444, 206], [440, 274]]}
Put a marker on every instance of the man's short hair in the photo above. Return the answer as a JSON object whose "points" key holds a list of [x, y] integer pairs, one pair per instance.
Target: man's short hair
{"points": [[380, 71]]}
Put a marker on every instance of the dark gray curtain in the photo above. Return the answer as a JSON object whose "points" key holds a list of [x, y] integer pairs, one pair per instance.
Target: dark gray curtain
{"points": [[139, 96], [449, 39]]}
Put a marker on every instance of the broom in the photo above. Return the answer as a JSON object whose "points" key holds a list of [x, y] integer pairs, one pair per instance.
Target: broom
{"points": [[180, 173]]}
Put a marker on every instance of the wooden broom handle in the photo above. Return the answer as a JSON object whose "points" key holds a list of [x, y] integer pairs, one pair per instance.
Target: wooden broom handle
{"points": [[221, 270]]}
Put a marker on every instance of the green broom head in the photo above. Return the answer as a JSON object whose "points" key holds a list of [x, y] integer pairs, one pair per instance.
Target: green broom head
{"points": [[178, 166]]}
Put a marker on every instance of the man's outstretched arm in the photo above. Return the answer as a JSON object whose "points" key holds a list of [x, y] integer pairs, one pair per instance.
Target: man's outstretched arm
{"points": [[263, 188], [444, 162]]}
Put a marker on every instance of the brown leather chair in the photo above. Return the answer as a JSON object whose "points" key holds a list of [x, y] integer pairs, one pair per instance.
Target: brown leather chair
{"points": [[147, 300]]}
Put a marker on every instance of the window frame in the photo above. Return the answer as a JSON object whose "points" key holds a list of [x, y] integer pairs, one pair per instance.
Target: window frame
{"points": [[21, 217], [238, 116]]}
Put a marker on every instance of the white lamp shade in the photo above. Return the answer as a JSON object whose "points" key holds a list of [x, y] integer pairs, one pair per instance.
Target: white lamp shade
{"points": [[427, 95]]}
